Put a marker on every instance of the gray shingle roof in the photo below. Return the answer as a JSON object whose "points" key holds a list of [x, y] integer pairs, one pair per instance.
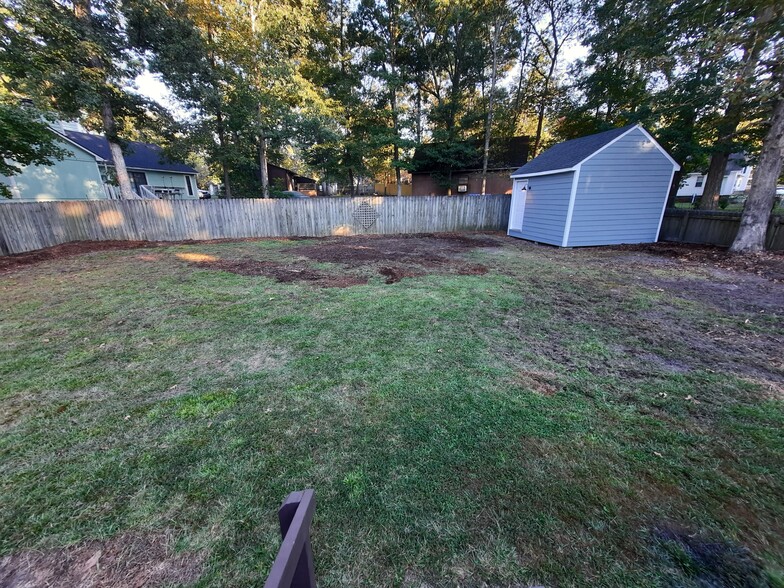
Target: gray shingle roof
{"points": [[137, 155], [569, 153]]}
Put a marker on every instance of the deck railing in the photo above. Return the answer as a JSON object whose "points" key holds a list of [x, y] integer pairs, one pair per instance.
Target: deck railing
{"points": [[293, 566]]}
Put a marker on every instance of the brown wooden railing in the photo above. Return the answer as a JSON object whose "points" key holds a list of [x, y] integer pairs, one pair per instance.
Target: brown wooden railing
{"points": [[293, 566]]}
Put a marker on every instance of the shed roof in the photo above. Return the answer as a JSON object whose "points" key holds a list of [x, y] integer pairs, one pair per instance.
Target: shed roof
{"points": [[568, 154], [137, 155]]}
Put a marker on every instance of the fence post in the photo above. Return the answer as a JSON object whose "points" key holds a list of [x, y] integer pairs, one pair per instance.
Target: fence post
{"points": [[683, 227], [293, 566]]}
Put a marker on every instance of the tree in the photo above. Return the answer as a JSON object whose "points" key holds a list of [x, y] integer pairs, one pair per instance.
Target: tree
{"points": [[551, 24], [377, 28], [71, 58], [754, 222], [186, 42], [490, 103], [27, 140], [759, 25]]}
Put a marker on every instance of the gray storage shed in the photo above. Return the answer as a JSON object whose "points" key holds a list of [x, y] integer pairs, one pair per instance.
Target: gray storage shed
{"points": [[603, 189]]}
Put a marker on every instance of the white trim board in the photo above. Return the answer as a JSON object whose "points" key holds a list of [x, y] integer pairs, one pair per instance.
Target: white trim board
{"points": [[570, 210], [544, 173]]}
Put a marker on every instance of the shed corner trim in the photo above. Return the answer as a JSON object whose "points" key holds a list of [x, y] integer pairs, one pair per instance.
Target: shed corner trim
{"points": [[570, 210], [666, 199]]}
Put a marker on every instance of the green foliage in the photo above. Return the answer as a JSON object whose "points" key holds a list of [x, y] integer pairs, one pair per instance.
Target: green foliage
{"points": [[27, 140], [69, 62]]}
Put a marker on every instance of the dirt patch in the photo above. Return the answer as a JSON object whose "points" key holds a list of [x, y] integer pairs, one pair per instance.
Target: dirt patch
{"points": [[10, 262], [402, 256], [544, 383], [395, 274], [768, 264], [284, 273], [127, 561], [472, 270], [424, 250], [742, 294], [395, 258]]}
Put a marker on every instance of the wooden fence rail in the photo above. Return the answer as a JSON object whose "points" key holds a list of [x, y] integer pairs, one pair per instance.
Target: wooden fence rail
{"points": [[27, 226], [713, 228], [293, 566]]}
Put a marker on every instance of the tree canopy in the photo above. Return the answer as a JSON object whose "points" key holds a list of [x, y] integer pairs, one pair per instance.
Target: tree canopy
{"points": [[346, 90]]}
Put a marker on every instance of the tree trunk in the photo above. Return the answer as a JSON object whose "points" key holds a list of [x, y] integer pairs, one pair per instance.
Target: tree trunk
{"points": [[83, 12], [754, 222], [398, 179], [419, 116], [226, 181], [712, 190], [489, 122], [676, 183], [126, 192], [263, 171]]}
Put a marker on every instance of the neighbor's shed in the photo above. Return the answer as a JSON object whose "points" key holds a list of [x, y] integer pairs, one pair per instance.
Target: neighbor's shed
{"points": [[603, 189]]}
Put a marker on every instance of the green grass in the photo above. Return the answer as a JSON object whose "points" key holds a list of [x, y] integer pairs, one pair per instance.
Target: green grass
{"points": [[548, 422]]}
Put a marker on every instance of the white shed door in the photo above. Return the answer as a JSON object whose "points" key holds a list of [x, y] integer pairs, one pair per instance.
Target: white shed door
{"points": [[518, 205]]}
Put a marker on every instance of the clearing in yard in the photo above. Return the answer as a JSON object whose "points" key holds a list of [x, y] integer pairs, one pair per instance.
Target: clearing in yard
{"points": [[471, 410]]}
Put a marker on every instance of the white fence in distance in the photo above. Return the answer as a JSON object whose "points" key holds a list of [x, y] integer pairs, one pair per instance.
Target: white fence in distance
{"points": [[28, 226]]}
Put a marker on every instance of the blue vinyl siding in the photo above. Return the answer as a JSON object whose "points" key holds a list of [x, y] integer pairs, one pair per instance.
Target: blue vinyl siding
{"points": [[620, 194], [546, 205]]}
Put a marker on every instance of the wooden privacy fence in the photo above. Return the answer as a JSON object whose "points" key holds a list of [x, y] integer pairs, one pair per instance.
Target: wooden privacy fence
{"points": [[713, 227], [293, 566], [27, 226]]}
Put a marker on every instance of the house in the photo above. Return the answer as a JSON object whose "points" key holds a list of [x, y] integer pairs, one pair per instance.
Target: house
{"points": [[456, 168], [84, 174], [282, 178], [737, 178], [603, 189]]}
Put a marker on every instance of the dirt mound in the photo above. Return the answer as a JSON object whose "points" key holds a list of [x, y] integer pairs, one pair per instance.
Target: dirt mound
{"points": [[127, 561], [395, 274], [67, 250]]}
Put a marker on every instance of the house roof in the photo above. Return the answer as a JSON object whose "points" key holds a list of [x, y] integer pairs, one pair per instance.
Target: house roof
{"points": [[505, 153], [568, 154], [137, 155]]}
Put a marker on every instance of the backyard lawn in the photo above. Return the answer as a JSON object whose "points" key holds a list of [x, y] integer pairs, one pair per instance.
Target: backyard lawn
{"points": [[470, 410]]}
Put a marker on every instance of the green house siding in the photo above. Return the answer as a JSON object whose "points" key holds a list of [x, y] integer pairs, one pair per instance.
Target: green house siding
{"points": [[74, 178]]}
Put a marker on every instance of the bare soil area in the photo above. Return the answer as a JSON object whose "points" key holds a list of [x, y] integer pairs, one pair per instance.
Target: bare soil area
{"points": [[359, 257], [127, 561]]}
